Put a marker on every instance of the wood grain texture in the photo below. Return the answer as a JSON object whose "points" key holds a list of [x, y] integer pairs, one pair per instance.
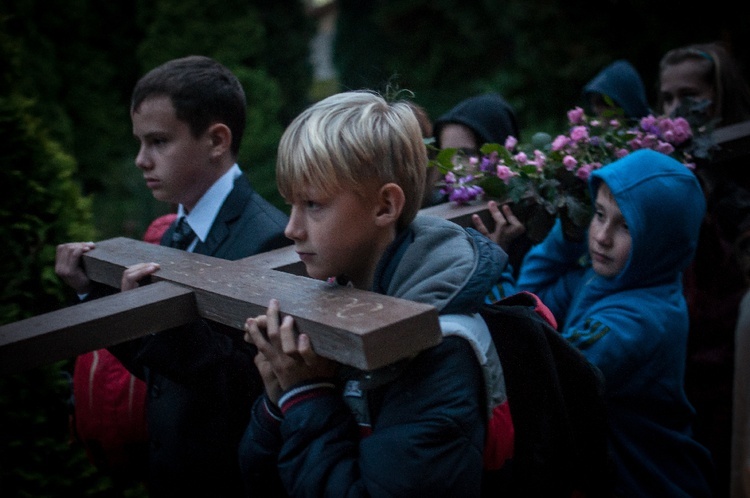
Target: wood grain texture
{"points": [[358, 328]]}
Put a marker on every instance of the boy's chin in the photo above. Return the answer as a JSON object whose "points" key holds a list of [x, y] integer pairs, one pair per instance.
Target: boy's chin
{"points": [[604, 271]]}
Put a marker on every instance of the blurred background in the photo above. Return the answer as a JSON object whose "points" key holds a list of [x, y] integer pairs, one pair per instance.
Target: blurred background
{"points": [[67, 157]]}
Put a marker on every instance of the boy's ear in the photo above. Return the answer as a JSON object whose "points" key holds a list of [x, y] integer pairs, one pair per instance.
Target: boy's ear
{"points": [[221, 139], [391, 201]]}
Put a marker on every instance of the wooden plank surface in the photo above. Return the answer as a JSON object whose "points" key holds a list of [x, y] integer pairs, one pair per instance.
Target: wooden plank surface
{"points": [[92, 325], [355, 327], [358, 328]]}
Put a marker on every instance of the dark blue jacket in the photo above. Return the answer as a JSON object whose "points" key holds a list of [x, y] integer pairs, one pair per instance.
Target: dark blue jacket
{"points": [[416, 428]]}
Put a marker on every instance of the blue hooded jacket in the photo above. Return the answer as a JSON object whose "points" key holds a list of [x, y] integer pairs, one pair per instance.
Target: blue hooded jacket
{"points": [[621, 82], [634, 326]]}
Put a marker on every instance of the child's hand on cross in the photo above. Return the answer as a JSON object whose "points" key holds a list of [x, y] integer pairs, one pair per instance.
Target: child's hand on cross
{"points": [[284, 358]]}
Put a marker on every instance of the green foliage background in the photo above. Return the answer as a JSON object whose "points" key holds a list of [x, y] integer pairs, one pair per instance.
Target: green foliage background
{"points": [[66, 162]]}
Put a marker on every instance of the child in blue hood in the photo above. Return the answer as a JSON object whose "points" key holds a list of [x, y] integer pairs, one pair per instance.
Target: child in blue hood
{"points": [[619, 300], [621, 83]]}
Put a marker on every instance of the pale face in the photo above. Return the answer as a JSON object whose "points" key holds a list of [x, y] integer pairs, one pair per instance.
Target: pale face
{"points": [[338, 235], [458, 136], [681, 81], [609, 237], [176, 166]]}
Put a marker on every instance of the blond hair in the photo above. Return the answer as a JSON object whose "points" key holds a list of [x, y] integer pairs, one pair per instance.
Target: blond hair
{"points": [[354, 140]]}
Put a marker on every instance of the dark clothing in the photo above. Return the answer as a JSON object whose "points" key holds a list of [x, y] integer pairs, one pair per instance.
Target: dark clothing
{"points": [[714, 286], [247, 224], [416, 428], [492, 120], [201, 377], [489, 116], [621, 82], [634, 325]]}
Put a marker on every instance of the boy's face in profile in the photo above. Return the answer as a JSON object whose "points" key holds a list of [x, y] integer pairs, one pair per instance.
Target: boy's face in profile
{"points": [[174, 163], [336, 234], [609, 237]]}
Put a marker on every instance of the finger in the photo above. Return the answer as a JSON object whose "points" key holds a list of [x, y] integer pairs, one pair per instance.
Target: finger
{"points": [[254, 334], [323, 366], [272, 322], [517, 227], [509, 216], [305, 350], [288, 337], [497, 214], [263, 365], [259, 322], [67, 256], [132, 275], [479, 225]]}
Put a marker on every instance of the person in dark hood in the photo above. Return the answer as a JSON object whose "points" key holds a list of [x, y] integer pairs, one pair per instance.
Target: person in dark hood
{"points": [[621, 84], [473, 122], [486, 118]]}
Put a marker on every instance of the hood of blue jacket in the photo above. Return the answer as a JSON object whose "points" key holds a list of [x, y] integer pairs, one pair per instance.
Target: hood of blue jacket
{"points": [[663, 205], [622, 83]]}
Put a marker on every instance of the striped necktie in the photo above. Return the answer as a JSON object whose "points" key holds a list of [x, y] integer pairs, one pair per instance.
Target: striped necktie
{"points": [[183, 235]]}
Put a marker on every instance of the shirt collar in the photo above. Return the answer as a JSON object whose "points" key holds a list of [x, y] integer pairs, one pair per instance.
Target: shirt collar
{"points": [[202, 217]]}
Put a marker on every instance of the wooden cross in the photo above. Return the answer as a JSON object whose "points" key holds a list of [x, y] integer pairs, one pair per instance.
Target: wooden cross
{"points": [[355, 327]]}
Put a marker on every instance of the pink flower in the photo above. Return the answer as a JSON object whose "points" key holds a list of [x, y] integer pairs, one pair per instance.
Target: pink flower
{"points": [[511, 142], [584, 172], [664, 148], [579, 133], [682, 129], [575, 116], [521, 158], [505, 173], [648, 122], [569, 162], [559, 143], [620, 153]]}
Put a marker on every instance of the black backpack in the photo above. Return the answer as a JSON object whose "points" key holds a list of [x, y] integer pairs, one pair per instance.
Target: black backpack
{"points": [[556, 399]]}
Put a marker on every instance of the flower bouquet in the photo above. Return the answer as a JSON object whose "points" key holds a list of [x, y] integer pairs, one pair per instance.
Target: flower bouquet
{"points": [[548, 178]]}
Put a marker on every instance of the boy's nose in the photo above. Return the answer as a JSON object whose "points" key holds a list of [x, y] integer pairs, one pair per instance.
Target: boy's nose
{"points": [[141, 160], [294, 229]]}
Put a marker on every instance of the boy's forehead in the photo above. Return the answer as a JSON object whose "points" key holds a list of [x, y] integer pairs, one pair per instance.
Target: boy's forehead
{"points": [[155, 103], [304, 190], [157, 117]]}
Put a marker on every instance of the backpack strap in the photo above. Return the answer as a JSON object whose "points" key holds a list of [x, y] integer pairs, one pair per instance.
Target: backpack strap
{"points": [[531, 300]]}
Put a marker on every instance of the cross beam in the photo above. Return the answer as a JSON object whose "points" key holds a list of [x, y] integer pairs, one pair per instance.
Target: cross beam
{"points": [[355, 327]]}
